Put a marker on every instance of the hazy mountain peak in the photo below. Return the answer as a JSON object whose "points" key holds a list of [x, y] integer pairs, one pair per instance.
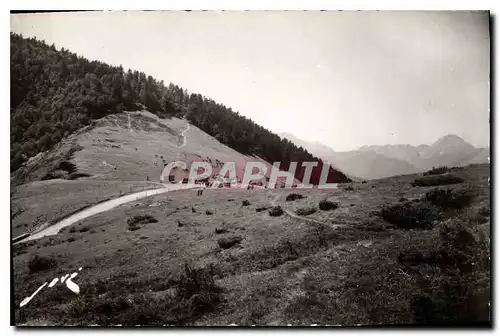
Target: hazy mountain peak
{"points": [[452, 142], [396, 159], [450, 138]]}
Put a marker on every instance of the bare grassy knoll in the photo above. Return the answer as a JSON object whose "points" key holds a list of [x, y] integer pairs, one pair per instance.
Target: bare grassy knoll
{"points": [[129, 146], [114, 156], [219, 259]]}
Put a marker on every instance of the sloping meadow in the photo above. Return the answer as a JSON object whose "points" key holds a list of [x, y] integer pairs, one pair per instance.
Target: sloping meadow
{"points": [[343, 266]]}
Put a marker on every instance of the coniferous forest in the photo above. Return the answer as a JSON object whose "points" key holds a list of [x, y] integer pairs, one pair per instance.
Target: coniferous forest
{"points": [[56, 92]]}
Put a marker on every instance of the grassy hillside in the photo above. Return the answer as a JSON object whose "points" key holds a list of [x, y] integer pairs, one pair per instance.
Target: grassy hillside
{"points": [[110, 158], [185, 260], [55, 93]]}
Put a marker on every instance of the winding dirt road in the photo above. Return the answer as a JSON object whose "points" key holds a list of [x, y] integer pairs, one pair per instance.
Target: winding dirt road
{"points": [[108, 205], [98, 208]]}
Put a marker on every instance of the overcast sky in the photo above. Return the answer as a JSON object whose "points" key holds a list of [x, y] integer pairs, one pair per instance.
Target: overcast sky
{"points": [[345, 79]]}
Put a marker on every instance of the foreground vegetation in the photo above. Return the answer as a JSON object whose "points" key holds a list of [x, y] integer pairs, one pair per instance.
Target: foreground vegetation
{"points": [[346, 263]]}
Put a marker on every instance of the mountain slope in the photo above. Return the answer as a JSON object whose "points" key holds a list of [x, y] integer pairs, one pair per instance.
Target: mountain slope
{"points": [[361, 164], [449, 150], [481, 155], [116, 155], [130, 146], [54, 93], [406, 153], [316, 148], [370, 165]]}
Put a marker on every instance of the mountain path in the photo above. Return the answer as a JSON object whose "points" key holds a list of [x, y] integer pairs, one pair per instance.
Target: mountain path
{"points": [[184, 138]]}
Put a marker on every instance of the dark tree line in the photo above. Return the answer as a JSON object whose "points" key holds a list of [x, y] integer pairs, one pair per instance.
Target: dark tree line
{"points": [[56, 92]]}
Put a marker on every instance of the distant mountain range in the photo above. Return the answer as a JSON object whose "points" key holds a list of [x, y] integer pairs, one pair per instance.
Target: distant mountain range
{"points": [[372, 162]]}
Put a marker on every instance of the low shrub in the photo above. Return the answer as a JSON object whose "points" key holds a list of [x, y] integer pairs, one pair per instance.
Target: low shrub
{"points": [[461, 293], [38, 264], [228, 242], [56, 174], [484, 211], [306, 211], [410, 215], [450, 199], [67, 166], [437, 171], [199, 284], [220, 230], [208, 212], [294, 196], [75, 176], [326, 205], [436, 180], [276, 211], [461, 250], [245, 203], [140, 219]]}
